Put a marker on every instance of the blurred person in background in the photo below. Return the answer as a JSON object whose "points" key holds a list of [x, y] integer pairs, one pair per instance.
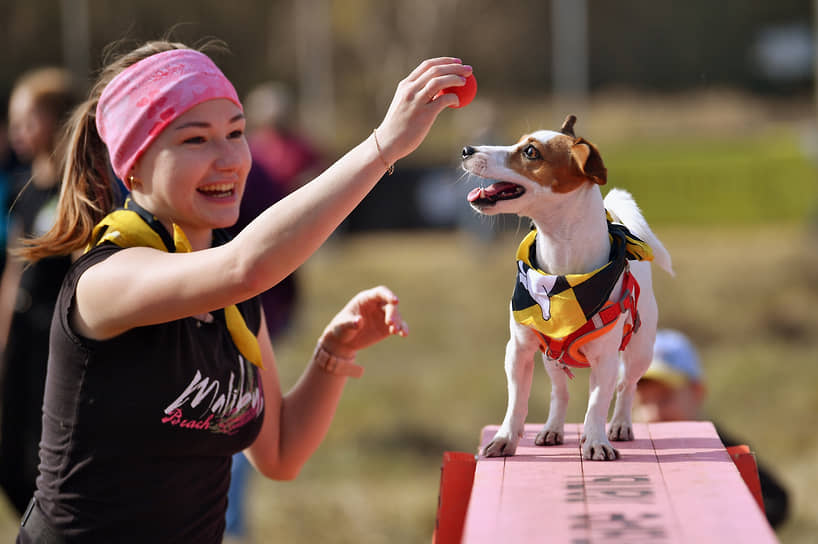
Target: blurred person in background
{"points": [[283, 160], [673, 389], [276, 142], [9, 164], [39, 103]]}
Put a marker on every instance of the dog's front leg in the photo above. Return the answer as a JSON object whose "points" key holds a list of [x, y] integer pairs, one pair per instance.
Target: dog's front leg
{"points": [[553, 432], [595, 444], [519, 366]]}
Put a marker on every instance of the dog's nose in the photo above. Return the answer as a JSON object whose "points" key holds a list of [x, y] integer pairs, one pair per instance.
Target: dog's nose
{"points": [[468, 151]]}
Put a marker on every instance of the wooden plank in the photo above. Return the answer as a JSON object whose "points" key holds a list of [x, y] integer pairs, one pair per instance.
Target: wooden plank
{"points": [[674, 484], [545, 489], [704, 485], [503, 513], [625, 499]]}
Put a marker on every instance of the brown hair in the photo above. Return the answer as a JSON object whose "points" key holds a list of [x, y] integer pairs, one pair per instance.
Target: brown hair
{"points": [[89, 188]]}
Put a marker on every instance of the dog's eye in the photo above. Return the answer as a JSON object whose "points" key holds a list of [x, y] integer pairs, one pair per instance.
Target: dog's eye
{"points": [[531, 152]]}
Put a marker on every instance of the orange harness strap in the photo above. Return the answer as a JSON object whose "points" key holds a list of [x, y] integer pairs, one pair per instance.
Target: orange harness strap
{"points": [[566, 350]]}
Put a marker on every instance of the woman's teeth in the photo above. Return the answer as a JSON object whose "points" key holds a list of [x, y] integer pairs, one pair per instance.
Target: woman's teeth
{"points": [[218, 190]]}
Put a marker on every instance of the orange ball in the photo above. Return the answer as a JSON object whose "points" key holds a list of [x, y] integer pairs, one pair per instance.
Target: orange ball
{"points": [[465, 93]]}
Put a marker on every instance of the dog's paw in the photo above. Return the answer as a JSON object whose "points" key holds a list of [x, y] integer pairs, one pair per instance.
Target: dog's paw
{"points": [[500, 446], [598, 450], [621, 432], [549, 437]]}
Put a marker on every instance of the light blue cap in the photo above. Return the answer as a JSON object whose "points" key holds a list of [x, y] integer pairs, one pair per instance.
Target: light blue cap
{"points": [[675, 360]]}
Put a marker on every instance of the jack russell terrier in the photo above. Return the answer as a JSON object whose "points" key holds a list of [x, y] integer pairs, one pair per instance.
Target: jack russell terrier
{"points": [[583, 292]]}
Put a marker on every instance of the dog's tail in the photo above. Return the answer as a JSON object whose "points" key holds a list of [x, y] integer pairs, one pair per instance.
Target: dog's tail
{"points": [[624, 210]]}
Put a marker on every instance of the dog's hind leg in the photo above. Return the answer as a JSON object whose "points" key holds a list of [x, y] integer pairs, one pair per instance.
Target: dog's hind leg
{"points": [[635, 361], [621, 427], [552, 432]]}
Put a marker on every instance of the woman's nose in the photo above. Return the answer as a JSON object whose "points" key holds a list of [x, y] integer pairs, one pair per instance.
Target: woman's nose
{"points": [[232, 154]]}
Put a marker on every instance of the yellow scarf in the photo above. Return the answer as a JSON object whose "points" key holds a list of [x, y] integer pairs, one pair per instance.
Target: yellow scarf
{"points": [[133, 226], [557, 306]]}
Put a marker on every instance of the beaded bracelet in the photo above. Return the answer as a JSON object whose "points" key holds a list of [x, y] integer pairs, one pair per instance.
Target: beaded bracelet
{"points": [[338, 366]]}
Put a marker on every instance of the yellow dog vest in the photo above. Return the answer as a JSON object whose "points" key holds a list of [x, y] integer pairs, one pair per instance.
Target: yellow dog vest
{"points": [[133, 226], [557, 306]]}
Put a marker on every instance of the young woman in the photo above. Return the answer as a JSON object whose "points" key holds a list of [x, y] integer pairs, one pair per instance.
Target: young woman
{"points": [[160, 365]]}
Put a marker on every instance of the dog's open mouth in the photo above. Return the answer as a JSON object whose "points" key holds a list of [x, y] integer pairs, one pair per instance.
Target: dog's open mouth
{"points": [[501, 190]]}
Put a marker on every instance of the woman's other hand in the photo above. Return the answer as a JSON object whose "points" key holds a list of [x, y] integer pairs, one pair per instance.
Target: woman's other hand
{"points": [[369, 317]]}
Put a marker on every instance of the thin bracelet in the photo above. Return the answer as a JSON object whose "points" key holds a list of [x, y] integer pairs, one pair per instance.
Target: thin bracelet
{"points": [[390, 168], [333, 364]]}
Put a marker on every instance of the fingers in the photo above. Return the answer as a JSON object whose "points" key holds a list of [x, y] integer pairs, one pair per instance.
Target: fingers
{"points": [[380, 293], [434, 75], [379, 305], [429, 63], [394, 321], [435, 87], [343, 328], [442, 77], [384, 298], [369, 317]]}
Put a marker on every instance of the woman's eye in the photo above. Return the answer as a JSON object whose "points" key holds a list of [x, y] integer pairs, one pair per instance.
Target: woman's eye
{"points": [[236, 134], [531, 152], [195, 140]]}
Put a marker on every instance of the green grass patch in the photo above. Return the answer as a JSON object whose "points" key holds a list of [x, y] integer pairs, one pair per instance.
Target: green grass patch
{"points": [[702, 180]]}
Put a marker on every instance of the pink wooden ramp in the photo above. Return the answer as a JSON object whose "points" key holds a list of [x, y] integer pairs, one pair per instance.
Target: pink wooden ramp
{"points": [[675, 483]]}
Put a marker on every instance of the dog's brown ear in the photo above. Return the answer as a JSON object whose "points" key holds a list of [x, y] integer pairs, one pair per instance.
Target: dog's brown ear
{"points": [[568, 126], [587, 160]]}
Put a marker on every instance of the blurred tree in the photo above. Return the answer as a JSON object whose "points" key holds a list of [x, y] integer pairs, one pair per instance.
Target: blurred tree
{"points": [[357, 49]]}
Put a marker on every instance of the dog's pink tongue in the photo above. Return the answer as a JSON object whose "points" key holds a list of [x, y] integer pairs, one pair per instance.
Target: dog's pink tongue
{"points": [[475, 194], [489, 192]]}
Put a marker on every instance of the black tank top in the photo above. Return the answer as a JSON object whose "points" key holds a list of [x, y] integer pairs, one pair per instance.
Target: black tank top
{"points": [[139, 430]]}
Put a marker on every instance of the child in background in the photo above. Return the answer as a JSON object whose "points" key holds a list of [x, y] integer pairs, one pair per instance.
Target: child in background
{"points": [[673, 389]]}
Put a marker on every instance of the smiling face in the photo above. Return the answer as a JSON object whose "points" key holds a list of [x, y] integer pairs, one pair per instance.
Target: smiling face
{"points": [[194, 172], [544, 162]]}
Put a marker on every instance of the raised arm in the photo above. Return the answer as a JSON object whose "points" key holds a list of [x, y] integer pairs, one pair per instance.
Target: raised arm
{"points": [[140, 286]]}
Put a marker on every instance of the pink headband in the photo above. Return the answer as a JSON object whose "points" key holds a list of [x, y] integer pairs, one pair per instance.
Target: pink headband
{"points": [[147, 96]]}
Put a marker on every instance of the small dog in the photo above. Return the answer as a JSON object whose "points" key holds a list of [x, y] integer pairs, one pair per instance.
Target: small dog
{"points": [[584, 289]]}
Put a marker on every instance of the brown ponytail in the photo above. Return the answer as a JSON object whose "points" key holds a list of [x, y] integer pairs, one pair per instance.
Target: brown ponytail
{"points": [[89, 188]]}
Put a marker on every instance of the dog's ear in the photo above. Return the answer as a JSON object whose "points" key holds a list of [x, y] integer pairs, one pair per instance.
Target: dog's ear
{"points": [[587, 160], [568, 126]]}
